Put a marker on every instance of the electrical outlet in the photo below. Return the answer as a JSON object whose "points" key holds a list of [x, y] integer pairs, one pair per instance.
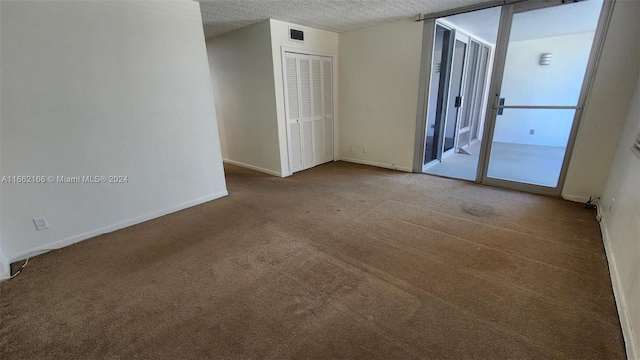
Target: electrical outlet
{"points": [[364, 149], [351, 148], [41, 223], [532, 131]]}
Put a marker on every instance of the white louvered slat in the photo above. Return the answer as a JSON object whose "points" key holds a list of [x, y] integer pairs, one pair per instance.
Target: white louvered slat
{"points": [[307, 144], [316, 84], [295, 147], [309, 108], [328, 138], [292, 88], [318, 143], [305, 87], [327, 70]]}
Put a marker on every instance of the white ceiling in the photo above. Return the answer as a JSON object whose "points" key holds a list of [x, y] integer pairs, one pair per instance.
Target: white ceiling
{"points": [[572, 18], [220, 16]]}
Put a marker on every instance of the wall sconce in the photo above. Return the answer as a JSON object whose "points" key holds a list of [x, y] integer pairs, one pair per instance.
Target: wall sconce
{"points": [[545, 59]]}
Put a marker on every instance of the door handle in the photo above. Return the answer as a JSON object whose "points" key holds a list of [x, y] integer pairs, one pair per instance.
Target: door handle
{"points": [[500, 109]]}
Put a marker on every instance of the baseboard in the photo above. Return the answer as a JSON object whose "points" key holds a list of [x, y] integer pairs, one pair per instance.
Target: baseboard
{"points": [[575, 198], [623, 312], [5, 267], [377, 164], [107, 229], [252, 167]]}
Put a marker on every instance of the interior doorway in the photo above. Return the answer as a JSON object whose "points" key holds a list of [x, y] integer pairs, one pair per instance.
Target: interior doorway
{"points": [[506, 112]]}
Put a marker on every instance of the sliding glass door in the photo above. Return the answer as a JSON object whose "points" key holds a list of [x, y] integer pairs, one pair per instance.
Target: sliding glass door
{"points": [[538, 92], [460, 64]]}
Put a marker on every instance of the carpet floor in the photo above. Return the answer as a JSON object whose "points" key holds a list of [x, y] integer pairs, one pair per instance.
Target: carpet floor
{"points": [[341, 261]]}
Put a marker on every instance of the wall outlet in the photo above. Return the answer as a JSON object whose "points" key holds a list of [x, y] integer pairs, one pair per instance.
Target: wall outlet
{"points": [[364, 149], [41, 223], [351, 148], [532, 131]]}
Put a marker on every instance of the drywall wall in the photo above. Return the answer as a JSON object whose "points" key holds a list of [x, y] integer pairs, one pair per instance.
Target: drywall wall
{"points": [[315, 41], [606, 106], [5, 270], [102, 89], [526, 82], [243, 88], [379, 79], [620, 208]]}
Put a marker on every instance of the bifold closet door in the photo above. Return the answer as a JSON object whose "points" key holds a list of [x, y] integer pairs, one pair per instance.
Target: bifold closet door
{"points": [[309, 110], [294, 133], [327, 100], [306, 118]]}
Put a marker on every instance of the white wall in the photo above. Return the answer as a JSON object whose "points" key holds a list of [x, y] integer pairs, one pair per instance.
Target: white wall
{"points": [[526, 82], [5, 271], [620, 207], [606, 106], [103, 88], [243, 88], [315, 40], [379, 78]]}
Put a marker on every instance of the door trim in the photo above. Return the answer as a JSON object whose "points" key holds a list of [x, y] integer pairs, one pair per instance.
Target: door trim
{"points": [[496, 83]]}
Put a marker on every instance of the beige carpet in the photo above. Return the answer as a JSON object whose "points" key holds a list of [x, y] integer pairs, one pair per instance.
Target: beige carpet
{"points": [[338, 262]]}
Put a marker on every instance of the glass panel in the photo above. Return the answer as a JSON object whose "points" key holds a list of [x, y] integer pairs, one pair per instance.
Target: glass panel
{"points": [[461, 162], [479, 95], [472, 74], [529, 145], [455, 92], [546, 60], [437, 90], [547, 55]]}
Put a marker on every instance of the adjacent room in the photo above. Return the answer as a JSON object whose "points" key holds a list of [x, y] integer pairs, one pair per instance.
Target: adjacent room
{"points": [[328, 179]]}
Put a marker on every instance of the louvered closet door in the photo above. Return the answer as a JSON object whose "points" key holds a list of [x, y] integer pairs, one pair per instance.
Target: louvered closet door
{"points": [[309, 105], [318, 110], [292, 96], [327, 100], [306, 113]]}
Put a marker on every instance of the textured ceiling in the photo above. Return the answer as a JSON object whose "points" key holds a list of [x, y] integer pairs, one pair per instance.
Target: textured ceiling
{"points": [[220, 16]]}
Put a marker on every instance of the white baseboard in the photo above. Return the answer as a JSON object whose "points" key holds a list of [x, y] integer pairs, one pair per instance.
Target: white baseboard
{"points": [[256, 168], [575, 198], [377, 164], [5, 267], [623, 311], [107, 229]]}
